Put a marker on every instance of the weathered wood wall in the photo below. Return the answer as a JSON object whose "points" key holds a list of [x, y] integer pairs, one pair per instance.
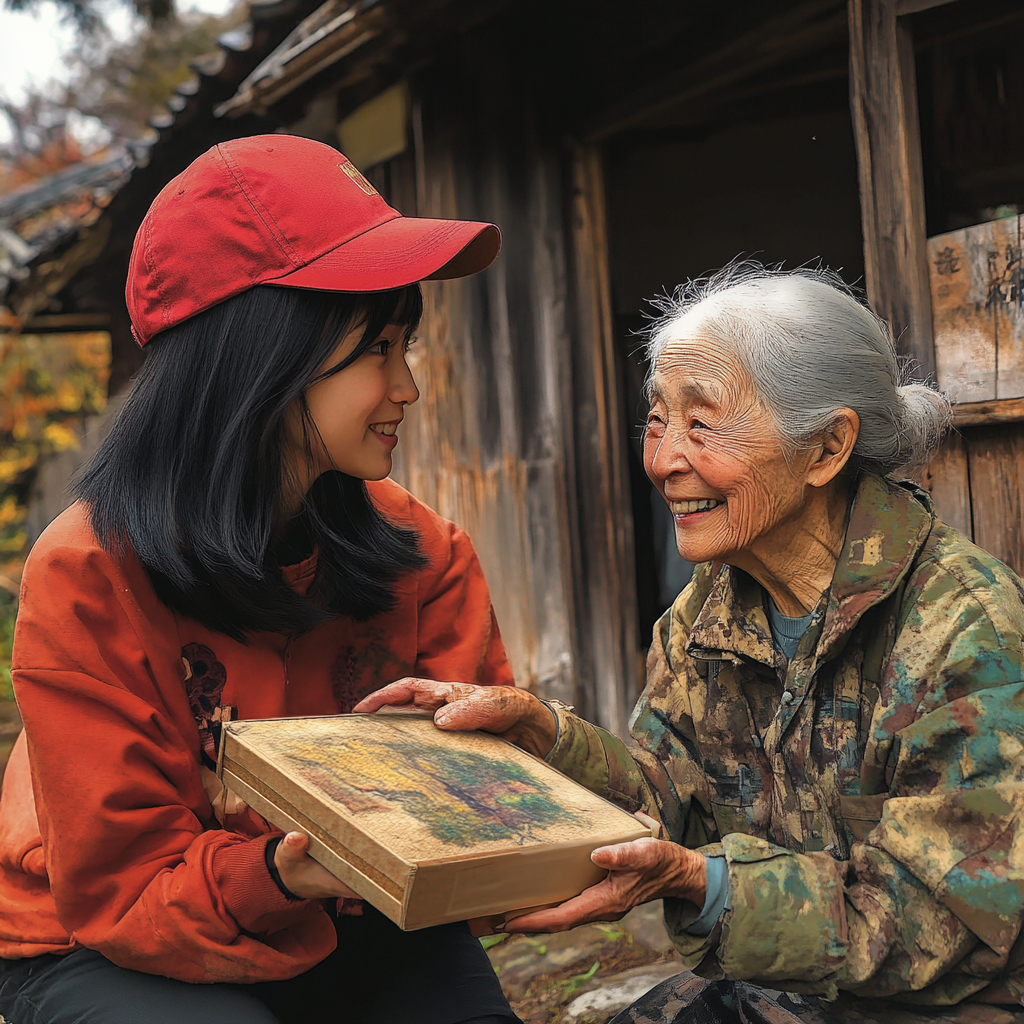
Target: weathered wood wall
{"points": [[977, 482], [955, 301], [518, 435], [977, 477]]}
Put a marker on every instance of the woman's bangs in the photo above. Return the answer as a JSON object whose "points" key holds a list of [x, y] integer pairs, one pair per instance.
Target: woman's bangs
{"points": [[379, 310]]}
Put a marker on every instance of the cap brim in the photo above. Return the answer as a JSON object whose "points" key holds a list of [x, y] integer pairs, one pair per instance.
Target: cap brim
{"points": [[400, 252]]}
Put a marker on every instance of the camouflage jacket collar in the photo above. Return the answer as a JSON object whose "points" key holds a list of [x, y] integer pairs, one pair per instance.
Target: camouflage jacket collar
{"points": [[888, 524], [733, 623]]}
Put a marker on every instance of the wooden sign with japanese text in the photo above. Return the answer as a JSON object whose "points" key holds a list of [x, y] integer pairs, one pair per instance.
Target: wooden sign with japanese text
{"points": [[977, 312]]}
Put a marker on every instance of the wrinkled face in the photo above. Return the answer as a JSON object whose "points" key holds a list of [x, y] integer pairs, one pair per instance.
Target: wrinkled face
{"points": [[358, 410], [714, 454]]}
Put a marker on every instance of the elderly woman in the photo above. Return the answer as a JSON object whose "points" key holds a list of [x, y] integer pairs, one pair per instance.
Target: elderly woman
{"points": [[832, 731]]}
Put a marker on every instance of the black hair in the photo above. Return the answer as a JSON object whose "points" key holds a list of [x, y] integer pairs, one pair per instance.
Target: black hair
{"points": [[191, 475]]}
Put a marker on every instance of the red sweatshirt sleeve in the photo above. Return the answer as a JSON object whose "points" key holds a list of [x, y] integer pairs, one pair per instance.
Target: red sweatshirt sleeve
{"points": [[137, 868]]}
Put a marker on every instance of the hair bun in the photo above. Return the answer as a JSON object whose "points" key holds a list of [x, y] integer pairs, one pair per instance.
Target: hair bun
{"points": [[923, 417]]}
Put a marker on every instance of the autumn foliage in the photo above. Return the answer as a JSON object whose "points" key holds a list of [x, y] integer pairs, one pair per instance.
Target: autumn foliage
{"points": [[49, 384]]}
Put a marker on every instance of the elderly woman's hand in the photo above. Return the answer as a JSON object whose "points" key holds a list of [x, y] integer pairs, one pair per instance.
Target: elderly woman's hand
{"points": [[513, 714], [638, 872]]}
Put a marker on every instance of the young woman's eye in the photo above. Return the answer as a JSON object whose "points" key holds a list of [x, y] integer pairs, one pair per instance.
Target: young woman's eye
{"points": [[380, 347]]}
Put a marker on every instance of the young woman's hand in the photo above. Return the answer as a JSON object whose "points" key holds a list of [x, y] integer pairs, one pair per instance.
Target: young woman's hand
{"points": [[304, 877], [638, 872], [513, 714]]}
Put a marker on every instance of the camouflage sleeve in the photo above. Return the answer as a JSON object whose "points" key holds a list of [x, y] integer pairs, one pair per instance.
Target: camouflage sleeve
{"points": [[653, 771], [602, 762], [929, 906]]}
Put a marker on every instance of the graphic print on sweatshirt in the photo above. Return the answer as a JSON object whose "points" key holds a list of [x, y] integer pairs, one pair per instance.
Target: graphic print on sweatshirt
{"points": [[363, 666], [205, 678]]}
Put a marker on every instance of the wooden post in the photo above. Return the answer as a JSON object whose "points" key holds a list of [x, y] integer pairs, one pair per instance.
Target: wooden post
{"points": [[883, 102], [607, 603]]}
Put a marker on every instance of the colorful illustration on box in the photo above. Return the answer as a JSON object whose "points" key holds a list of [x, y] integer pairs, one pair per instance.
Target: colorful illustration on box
{"points": [[463, 797]]}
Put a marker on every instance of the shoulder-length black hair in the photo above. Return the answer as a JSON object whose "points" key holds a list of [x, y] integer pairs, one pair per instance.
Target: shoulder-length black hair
{"points": [[191, 475]]}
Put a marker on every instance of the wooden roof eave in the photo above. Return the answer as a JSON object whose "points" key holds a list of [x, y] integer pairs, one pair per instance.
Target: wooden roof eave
{"points": [[380, 39], [332, 32]]}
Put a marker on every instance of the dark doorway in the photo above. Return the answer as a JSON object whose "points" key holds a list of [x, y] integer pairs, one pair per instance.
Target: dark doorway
{"points": [[686, 200]]}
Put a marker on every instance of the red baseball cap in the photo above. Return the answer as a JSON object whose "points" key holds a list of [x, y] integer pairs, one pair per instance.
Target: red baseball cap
{"points": [[283, 210]]}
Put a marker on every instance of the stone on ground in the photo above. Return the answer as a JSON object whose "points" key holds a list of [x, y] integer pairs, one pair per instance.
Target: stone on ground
{"points": [[600, 1004]]}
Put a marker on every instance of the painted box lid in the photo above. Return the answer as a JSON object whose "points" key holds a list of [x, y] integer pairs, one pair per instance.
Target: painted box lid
{"points": [[429, 826]]}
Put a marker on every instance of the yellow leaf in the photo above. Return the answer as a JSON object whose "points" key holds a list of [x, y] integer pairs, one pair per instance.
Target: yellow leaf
{"points": [[60, 437], [11, 468], [9, 511], [69, 398], [15, 543]]}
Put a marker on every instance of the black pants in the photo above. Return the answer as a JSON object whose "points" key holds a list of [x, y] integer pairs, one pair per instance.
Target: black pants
{"points": [[377, 974]]}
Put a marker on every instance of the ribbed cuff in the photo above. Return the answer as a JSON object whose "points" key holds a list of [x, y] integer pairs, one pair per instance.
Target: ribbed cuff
{"points": [[717, 899], [249, 893], [558, 725], [566, 735], [269, 852]]}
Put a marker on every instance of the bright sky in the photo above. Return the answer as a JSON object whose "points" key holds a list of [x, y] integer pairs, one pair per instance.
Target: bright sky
{"points": [[33, 44]]}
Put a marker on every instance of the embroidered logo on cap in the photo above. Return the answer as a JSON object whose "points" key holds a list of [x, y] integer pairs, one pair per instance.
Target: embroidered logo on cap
{"points": [[352, 171]]}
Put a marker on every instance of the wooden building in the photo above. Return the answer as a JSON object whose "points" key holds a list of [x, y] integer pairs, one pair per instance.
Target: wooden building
{"points": [[621, 150]]}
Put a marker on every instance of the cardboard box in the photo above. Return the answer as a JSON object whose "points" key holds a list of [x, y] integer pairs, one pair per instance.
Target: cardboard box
{"points": [[428, 826]]}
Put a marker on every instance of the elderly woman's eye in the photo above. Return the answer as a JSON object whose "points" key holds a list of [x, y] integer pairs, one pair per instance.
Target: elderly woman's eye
{"points": [[696, 424]]}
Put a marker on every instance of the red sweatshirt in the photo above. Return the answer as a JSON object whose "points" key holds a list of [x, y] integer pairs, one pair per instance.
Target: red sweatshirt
{"points": [[117, 693]]}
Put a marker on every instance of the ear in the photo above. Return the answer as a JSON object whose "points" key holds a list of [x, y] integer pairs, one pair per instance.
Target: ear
{"points": [[834, 448]]}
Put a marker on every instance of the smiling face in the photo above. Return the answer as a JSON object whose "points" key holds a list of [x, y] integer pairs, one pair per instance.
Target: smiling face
{"points": [[713, 452], [357, 411]]}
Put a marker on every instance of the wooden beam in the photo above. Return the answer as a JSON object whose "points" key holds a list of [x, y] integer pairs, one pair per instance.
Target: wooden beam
{"points": [[916, 6], [978, 414], [53, 323], [883, 102], [607, 604], [782, 38]]}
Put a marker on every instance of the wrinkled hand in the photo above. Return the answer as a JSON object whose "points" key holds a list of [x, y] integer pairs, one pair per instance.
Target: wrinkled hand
{"points": [[638, 872], [302, 875], [513, 714]]}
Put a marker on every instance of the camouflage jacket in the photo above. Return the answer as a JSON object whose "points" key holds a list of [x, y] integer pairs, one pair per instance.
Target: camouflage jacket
{"points": [[868, 794]]}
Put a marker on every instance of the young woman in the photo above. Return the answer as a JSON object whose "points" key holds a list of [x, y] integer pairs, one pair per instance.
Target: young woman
{"points": [[236, 552]]}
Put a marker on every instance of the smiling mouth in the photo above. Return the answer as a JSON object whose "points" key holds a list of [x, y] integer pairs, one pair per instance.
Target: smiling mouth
{"points": [[387, 429], [686, 507]]}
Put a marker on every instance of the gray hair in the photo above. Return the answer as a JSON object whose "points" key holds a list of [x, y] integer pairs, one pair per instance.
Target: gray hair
{"points": [[810, 348]]}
